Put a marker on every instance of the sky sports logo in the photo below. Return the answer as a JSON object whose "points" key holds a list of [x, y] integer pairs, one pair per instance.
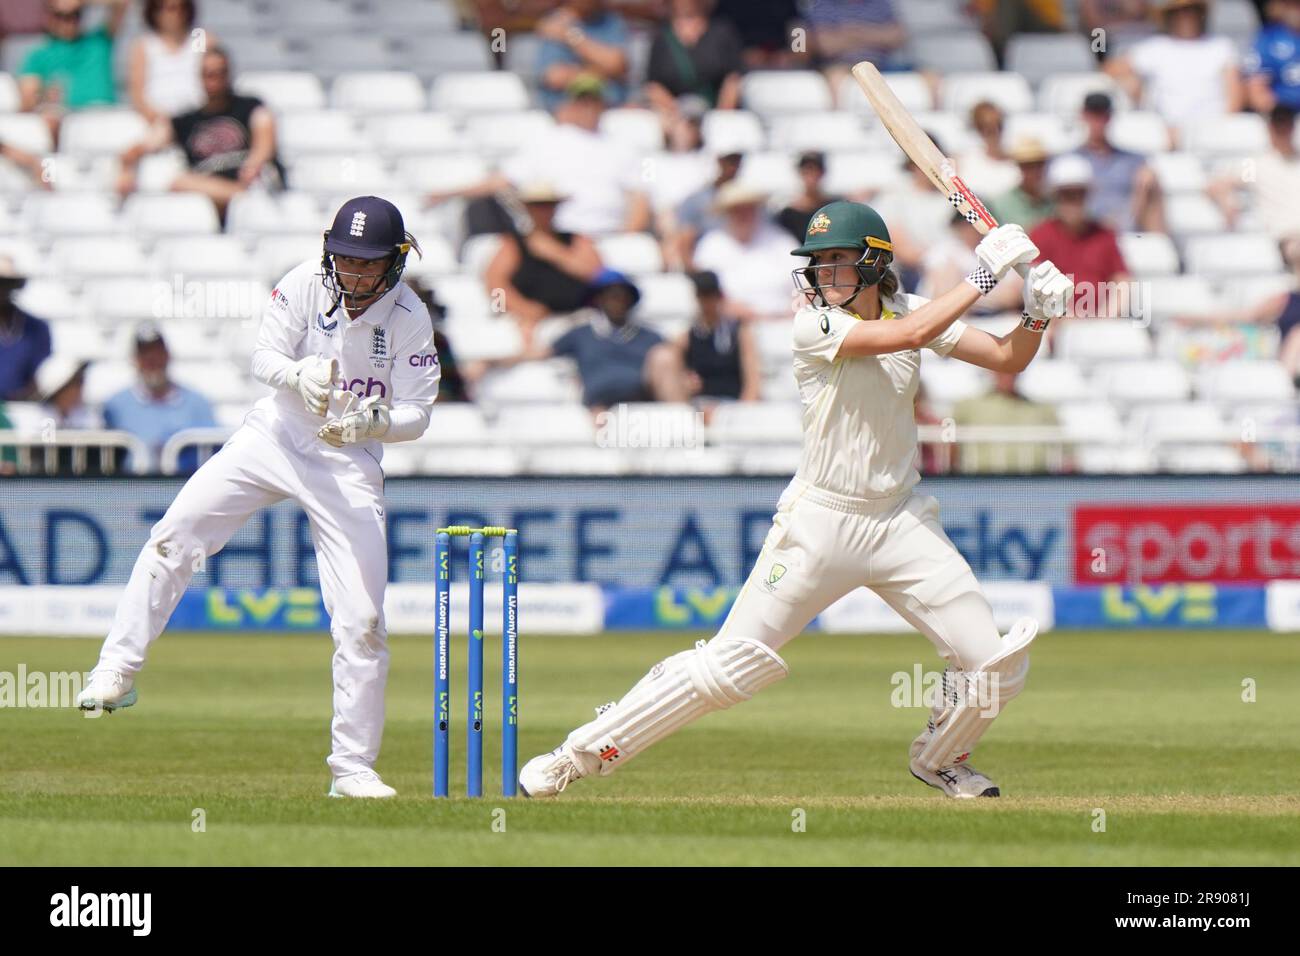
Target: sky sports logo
{"points": [[76, 909]]}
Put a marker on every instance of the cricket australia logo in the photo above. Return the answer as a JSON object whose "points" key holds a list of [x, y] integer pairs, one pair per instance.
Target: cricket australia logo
{"points": [[358, 224], [774, 574], [820, 223]]}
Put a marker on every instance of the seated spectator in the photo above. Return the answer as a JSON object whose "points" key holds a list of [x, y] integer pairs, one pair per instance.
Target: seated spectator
{"points": [[1003, 19], [695, 54], [1274, 183], [164, 72], [949, 261], [155, 408], [765, 28], [59, 384], [1184, 73], [719, 352], [618, 359], [1272, 67], [18, 17], [794, 217], [1028, 204], [73, 68], [229, 142], [1125, 193], [581, 38], [988, 170], [451, 387], [750, 254], [29, 163], [844, 32], [685, 167], [1121, 22], [1007, 407], [539, 271], [697, 214], [599, 175], [918, 217], [1080, 246], [24, 339]]}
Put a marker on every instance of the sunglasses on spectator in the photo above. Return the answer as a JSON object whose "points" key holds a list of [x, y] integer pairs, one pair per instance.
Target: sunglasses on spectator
{"points": [[69, 15], [1072, 194]]}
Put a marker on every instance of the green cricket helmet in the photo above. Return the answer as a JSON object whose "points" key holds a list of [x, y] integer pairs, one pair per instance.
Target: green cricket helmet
{"points": [[844, 225]]}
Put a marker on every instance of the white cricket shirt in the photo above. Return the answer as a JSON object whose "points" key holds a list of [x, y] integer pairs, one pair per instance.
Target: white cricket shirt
{"points": [[386, 351], [859, 427]]}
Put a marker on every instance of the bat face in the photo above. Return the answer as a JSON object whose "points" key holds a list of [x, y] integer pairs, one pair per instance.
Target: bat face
{"points": [[920, 149]]}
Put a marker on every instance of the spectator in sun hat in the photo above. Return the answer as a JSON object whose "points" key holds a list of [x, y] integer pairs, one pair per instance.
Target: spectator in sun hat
{"points": [[1027, 204], [749, 253], [59, 384]]}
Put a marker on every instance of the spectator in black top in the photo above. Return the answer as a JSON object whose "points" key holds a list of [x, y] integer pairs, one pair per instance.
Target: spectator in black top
{"points": [[24, 339], [719, 351], [694, 54], [229, 142], [794, 217], [764, 27], [539, 271]]}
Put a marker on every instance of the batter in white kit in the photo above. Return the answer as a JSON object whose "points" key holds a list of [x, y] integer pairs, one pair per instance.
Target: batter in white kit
{"points": [[349, 351]]}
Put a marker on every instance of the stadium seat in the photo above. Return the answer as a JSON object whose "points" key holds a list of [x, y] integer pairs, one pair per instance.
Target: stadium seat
{"points": [[320, 131], [70, 214], [958, 52], [262, 212], [170, 215], [1063, 93], [1092, 340], [231, 414], [781, 460], [578, 461], [855, 173], [155, 173], [947, 382], [273, 256], [1171, 296], [82, 341], [1056, 135], [105, 378], [417, 17], [522, 54], [1008, 91], [1247, 293], [1245, 381], [220, 255], [912, 90], [756, 423], [630, 252], [186, 342], [408, 133], [771, 172], [9, 98], [26, 131], [772, 92], [334, 17], [483, 461], [464, 297], [331, 54], [1233, 254], [1147, 380], [697, 460], [952, 133], [501, 134], [1036, 56], [1089, 421], [639, 130], [217, 381], [732, 131], [1053, 381], [284, 91], [477, 253], [1178, 172], [1202, 459], [466, 51], [933, 16], [665, 295], [464, 94], [87, 257], [350, 173], [378, 92], [818, 131], [1172, 422], [442, 171], [51, 299], [1112, 459], [229, 16], [1193, 214], [543, 424], [260, 52], [1139, 132], [1235, 134], [14, 50], [98, 131], [456, 425], [1148, 254], [551, 381], [486, 337], [27, 254]]}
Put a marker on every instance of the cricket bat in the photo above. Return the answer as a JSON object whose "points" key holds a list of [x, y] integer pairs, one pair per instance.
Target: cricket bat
{"points": [[920, 149]]}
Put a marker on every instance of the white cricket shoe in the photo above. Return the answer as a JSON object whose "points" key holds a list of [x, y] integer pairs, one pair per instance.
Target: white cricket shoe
{"points": [[107, 691], [958, 781], [364, 783], [549, 774]]}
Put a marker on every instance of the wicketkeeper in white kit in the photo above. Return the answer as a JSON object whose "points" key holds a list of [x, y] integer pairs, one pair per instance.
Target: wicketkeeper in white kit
{"points": [[349, 351], [851, 517]]}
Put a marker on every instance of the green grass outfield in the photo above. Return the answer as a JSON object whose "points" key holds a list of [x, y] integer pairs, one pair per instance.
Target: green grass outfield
{"points": [[1149, 727]]}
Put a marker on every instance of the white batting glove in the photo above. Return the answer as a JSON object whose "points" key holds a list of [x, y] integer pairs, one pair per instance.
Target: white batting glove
{"points": [[312, 378], [369, 420], [1048, 294], [1004, 248]]}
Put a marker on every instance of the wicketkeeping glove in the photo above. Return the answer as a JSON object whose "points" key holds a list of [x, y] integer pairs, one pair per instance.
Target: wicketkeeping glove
{"points": [[369, 420], [1003, 248], [312, 378], [1048, 294]]}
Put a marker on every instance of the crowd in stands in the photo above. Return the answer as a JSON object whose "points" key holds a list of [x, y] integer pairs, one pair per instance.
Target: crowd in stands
{"points": [[617, 207]]}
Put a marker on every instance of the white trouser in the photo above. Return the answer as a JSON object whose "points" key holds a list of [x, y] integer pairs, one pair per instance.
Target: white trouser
{"points": [[341, 490], [821, 547]]}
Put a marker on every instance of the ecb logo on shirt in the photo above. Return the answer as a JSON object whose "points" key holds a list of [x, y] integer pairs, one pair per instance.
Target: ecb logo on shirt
{"points": [[378, 347]]}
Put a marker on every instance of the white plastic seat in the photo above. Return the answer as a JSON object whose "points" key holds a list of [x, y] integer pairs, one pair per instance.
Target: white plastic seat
{"points": [[1063, 93], [51, 299], [355, 174], [155, 174], [456, 425], [315, 16], [321, 131], [105, 378], [403, 133], [1168, 296], [131, 300], [757, 423], [99, 131], [819, 131], [262, 212], [1089, 421], [465, 51], [1035, 56], [1139, 131], [1203, 459], [1190, 214], [1233, 254], [466, 94], [331, 54], [9, 97], [948, 382], [478, 252], [284, 91], [782, 460], [1249, 292], [1178, 172], [443, 171], [665, 295], [547, 425], [218, 255], [1048, 128], [385, 91], [732, 131], [26, 131], [1245, 381], [1091, 340], [1167, 422], [481, 461], [1106, 459], [81, 341], [578, 460], [961, 51], [770, 172], [488, 337], [639, 130], [630, 252], [186, 342], [71, 214], [1053, 381], [171, 214], [1008, 91], [698, 460], [1230, 134], [912, 90], [274, 256], [775, 343], [502, 134], [550, 381], [99, 256], [857, 172], [217, 381], [952, 132], [1148, 254], [768, 92], [1149, 380], [464, 296]]}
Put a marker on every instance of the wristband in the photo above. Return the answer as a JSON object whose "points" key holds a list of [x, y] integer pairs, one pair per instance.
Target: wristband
{"points": [[983, 280], [1027, 321]]}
